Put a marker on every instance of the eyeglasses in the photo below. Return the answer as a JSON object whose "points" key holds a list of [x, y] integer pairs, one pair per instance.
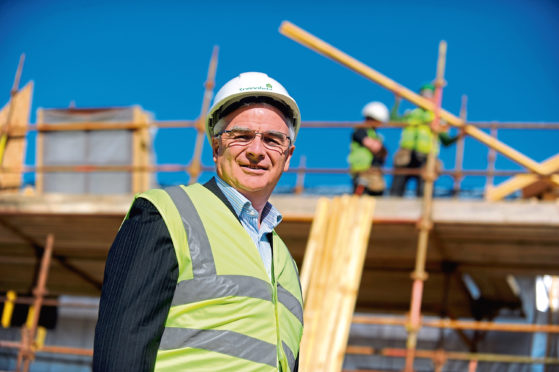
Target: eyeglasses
{"points": [[272, 140]]}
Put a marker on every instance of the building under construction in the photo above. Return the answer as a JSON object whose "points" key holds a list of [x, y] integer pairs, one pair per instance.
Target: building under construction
{"points": [[424, 284]]}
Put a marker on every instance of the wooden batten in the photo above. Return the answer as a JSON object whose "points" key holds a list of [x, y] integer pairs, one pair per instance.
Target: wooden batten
{"points": [[355, 253], [314, 245], [524, 182], [330, 276], [141, 151], [331, 272], [15, 114]]}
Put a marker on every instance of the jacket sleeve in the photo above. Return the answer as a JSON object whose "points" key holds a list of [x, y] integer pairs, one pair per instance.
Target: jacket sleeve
{"points": [[141, 272], [359, 135]]}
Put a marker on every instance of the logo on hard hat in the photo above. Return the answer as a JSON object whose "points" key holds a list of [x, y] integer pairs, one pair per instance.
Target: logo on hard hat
{"points": [[267, 87]]}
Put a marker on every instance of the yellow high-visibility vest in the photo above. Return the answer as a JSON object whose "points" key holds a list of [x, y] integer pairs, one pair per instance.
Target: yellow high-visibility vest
{"points": [[226, 313], [360, 157], [417, 135]]}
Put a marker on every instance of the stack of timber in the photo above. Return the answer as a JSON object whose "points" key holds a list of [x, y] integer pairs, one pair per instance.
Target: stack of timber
{"points": [[330, 278]]}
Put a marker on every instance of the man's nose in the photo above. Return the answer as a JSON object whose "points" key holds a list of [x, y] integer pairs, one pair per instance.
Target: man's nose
{"points": [[255, 149]]}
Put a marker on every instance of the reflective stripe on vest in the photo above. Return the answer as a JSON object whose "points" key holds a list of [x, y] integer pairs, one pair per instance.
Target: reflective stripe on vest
{"points": [[225, 342], [246, 338]]}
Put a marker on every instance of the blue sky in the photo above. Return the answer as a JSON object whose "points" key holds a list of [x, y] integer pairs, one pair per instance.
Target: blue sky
{"points": [[502, 54]]}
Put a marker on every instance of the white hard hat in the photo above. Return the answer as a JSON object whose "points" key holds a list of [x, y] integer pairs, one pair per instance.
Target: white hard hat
{"points": [[255, 85], [377, 111]]}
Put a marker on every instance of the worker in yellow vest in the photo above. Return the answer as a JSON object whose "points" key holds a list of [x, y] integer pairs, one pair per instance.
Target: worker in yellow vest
{"points": [[367, 152], [415, 143], [197, 279]]}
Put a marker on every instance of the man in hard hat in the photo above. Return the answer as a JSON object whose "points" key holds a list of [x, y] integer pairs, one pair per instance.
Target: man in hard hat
{"points": [[197, 279], [415, 143], [367, 152]]}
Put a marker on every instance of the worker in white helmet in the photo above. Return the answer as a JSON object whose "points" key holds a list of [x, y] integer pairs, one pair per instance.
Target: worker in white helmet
{"points": [[197, 279], [367, 152]]}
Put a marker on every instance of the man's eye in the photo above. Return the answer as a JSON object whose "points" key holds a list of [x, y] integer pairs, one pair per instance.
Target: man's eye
{"points": [[272, 140], [243, 136]]}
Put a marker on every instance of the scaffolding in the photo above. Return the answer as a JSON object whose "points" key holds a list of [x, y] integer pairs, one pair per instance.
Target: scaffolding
{"points": [[541, 173], [540, 179]]}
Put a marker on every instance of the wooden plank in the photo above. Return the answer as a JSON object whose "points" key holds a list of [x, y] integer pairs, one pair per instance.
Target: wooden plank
{"points": [[521, 181], [14, 153], [137, 156], [317, 290], [333, 273], [338, 243], [356, 249], [315, 243]]}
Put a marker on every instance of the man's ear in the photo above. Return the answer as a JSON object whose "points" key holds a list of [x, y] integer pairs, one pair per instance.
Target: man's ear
{"points": [[215, 148], [288, 155]]}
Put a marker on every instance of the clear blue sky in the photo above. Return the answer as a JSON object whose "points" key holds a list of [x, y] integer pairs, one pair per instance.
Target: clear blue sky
{"points": [[503, 55]]}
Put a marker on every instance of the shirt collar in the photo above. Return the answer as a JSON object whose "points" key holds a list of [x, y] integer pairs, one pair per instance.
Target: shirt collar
{"points": [[271, 217]]}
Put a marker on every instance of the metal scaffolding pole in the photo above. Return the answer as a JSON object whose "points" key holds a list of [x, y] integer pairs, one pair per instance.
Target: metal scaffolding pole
{"points": [[195, 167], [459, 324], [426, 223], [459, 158], [28, 347]]}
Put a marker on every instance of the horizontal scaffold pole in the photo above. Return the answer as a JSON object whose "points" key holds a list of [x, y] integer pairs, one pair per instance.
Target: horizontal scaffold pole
{"points": [[459, 324]]}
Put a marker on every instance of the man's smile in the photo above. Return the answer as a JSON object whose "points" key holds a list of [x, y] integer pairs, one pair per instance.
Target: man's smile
{"points": [[254, 167]]}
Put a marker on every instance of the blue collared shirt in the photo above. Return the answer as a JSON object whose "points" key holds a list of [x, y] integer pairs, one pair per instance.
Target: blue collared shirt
{"points": [[249, 219]]}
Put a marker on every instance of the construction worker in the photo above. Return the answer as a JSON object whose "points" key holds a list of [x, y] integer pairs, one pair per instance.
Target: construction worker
{"points": [[197, 278], [416, 142], [367, 152]]}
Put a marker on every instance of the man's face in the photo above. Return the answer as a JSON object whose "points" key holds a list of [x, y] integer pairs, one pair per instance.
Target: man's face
{"points": [[253, 169]]}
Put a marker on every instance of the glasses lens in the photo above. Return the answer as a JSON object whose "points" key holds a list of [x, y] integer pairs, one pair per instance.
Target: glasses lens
{"points": [[271, 140], [275, 140], [241, 136]]}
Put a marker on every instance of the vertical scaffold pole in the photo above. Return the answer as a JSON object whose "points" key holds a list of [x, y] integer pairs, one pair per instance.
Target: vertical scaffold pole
{"points": [[196, 163], [491, 157], [419, 275], [27, 351], [459, 159], [472, 366], [300, 182]]}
